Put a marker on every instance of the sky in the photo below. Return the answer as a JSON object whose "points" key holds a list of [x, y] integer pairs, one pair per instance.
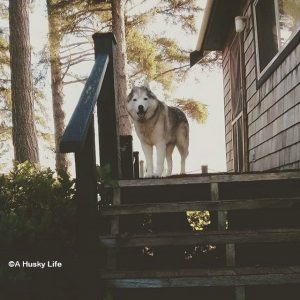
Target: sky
{"points": [[207, 141]]}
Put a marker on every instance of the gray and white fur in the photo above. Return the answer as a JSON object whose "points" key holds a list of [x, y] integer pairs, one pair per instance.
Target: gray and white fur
{"points": [[159, 125]]}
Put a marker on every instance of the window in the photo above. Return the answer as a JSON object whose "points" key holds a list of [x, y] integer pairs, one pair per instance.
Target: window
{"points": [[276, 22]]}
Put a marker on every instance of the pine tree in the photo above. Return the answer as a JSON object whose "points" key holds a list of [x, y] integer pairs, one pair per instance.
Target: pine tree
{"points": [[55, 36], [24, 131], [118, 26]]}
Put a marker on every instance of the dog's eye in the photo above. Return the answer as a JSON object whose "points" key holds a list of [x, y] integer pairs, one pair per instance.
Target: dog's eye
{"points": [[134, 99], [145, 98]]}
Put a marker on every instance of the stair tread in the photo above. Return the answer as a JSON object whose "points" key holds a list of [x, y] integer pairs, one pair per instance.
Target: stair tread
{"points": [[209, 178], [225, 271], [202, 277]]}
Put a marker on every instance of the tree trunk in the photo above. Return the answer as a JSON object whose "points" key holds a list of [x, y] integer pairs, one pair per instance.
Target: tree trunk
{"points": [[56, 87], [118, 24], [24, 131]]}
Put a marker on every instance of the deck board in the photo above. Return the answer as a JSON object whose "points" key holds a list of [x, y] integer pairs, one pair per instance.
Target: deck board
{"points": [[202, 277], [201, 237], [131, 209], [210, 178]]}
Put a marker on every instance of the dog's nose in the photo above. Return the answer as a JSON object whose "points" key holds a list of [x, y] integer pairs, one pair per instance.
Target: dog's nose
{"points": [[141, 108]]}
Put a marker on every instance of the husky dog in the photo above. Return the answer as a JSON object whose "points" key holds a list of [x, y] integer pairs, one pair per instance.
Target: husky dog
{"points": [[158, 125]]}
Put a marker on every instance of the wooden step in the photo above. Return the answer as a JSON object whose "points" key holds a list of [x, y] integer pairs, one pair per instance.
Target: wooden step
{"points": [[131, 209], [201, 237], [210, 178], [202, 277]]}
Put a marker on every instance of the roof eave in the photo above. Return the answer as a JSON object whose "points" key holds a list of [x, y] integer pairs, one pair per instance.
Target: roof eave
{"points": [[198, 54]]}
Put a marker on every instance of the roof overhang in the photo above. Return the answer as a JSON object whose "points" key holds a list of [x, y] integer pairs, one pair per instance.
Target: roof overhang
{"points": [[217, 22]]}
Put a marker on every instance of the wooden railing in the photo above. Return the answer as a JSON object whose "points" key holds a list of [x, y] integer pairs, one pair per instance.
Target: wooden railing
{"points": [[79, 137]]}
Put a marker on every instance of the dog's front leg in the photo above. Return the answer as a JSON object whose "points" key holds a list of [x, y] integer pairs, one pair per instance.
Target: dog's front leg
{"points": [[148, 151], [161, 155]]}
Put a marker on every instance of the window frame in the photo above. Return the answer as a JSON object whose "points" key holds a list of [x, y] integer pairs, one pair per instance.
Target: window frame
{"points": [[283, 52]]}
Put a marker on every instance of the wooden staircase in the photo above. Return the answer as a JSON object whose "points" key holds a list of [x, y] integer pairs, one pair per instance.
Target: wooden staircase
{"points": [[244, 210], [149, 248]]}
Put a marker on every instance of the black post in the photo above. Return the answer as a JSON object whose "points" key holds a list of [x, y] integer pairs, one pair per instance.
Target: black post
{"points": [[109, 143], [136, 165], [86, 194], [126, 156]]}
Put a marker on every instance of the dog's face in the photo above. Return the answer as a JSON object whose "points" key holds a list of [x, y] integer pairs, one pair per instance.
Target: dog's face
{"points": [[141, 103]]}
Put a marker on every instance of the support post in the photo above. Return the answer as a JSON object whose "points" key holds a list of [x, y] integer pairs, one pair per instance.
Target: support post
{"points": [[86, 195], [204, 169], [115, 230], [142, 168], [221, 219], [214, 192], [109, 143], [136, 165], [126, 156], [240, 293]]}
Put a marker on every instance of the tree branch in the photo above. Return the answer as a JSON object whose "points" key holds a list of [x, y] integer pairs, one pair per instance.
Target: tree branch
{"points": [[171, 70]]}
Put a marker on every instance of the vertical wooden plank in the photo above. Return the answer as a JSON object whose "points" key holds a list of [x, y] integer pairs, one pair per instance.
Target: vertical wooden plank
{"points": [[136, 165], [214, 189], [214, 192], [230, 255], [126, 156], [142, 168], [115, 220], [222, 225], [111, 258], [86, 195], [109, 143], [204, 169], [240, 293]]}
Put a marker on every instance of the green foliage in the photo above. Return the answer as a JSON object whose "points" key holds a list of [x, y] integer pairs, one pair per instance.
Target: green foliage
{"points": [[37, 215], [159, 58], [34, 205], [198, 219], [104, 176], [194, 109], [142, 54]]}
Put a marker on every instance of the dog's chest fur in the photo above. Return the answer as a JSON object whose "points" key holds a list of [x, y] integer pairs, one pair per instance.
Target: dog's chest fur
{"points": [[155, 129]]}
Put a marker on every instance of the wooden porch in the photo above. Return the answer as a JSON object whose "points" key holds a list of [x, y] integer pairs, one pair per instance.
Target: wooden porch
{"points": [[247, 217], [146, 243]]}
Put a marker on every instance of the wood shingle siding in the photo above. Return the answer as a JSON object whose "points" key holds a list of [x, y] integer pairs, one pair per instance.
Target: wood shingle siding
{"points": [[273, 109], [227, 109]]}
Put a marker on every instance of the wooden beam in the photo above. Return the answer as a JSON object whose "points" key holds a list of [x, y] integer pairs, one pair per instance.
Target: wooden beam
{"points": [[209, 178], [240, 293], [126, 156], [214, 215], [109, 142], [75, 134], [129, 209], [136, 165], [202, 277], [111, 253], [202, 237], [115, 220], [86, 196]]}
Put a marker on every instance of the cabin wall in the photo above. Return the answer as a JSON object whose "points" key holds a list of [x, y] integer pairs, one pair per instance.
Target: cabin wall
{"points": [[227, 110], [273, 109]]}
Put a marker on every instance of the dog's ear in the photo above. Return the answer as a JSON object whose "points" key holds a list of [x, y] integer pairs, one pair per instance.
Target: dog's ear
{"points": [[129, 97], [150, 94], [146, 84]]}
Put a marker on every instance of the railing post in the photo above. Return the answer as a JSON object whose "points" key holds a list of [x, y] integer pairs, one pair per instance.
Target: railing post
{"points": [[126, 156], [136, 165], [109, 143], [86, 194]]}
